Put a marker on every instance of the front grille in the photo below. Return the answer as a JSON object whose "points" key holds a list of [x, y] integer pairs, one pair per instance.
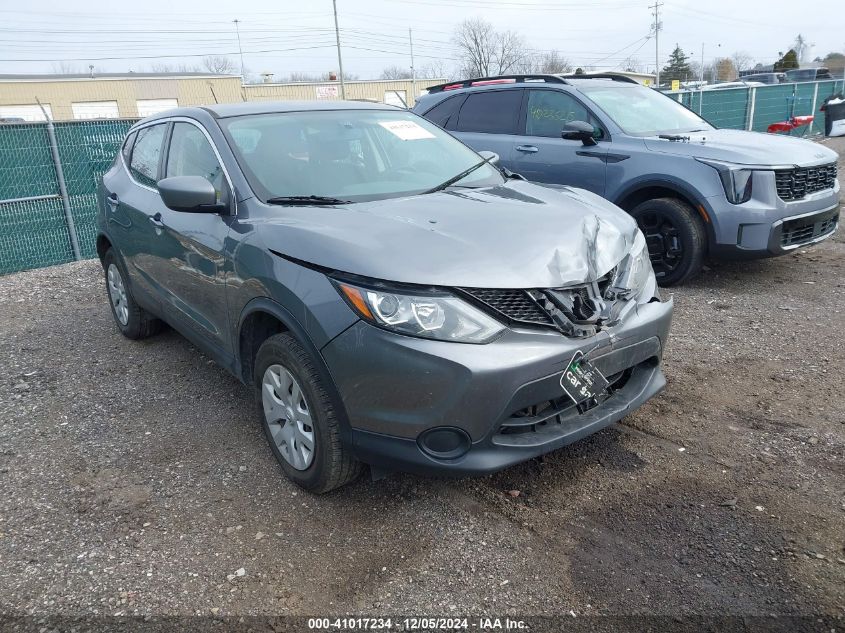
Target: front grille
{"points": [[802, 231], [516, 305], [795, 184], [565, 309]]}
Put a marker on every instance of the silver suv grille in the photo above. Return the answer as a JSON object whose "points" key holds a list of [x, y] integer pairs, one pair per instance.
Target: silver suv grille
{"points": [[795, 184]]}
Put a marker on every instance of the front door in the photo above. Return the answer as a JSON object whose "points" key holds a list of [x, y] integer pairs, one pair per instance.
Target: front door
{"points": [[539, 152], [188, 249]]}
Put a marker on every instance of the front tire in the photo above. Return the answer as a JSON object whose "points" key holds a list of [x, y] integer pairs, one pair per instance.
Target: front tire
{"points": [[299, 420], [675, 236], [131, 319]]}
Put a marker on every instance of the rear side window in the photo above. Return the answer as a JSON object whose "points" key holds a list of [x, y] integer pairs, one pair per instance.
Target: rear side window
{"points": [[192, 155], [494, 112], [127, 147], [146, 154], [445, 113]]}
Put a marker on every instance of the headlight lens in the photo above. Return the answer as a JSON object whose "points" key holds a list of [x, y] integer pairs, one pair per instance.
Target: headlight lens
{"points": [[440, 316], [737, 180]]}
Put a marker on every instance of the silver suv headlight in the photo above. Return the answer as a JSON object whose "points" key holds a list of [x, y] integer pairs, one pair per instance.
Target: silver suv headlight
{"points": [[737, 180], [436, 315]]}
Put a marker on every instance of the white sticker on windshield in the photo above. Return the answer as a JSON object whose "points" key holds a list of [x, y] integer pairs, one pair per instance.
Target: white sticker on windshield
{"points": [[406, 130]]}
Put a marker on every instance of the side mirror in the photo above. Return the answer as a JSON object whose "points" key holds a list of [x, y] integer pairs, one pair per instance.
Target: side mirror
{"points": [[190, 193], [579, 131], [490, 157]]}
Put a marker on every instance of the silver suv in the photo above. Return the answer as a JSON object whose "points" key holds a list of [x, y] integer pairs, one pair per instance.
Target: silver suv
{"points": [[694, 190]]}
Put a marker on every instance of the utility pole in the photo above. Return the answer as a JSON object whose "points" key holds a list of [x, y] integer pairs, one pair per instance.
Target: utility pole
{"points": [[657, 26], [339, 58], [240, 50], [413, 66], [701, 75]]}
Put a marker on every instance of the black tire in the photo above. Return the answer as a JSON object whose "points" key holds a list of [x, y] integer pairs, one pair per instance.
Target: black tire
{"points": [[139, 323], [332, 465], [676, 238]]}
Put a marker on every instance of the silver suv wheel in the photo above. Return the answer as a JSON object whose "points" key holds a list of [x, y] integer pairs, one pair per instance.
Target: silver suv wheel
{"points": [[288, 416], [117, 294]]}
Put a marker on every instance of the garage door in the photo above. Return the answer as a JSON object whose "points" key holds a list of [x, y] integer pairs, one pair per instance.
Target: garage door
{"points": [[95, 110], [25, 112], [149, 107]]}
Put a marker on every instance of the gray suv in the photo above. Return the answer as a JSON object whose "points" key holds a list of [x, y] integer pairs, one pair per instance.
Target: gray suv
{"points": [[393, 297], [694, 190]]}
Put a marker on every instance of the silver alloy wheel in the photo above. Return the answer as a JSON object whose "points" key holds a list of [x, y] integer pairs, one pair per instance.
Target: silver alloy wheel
{"points": [[288, 416], [117, 293]]}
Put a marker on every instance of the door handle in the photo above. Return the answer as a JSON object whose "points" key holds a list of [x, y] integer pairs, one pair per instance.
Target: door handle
{"points": [[155, 220], [113, 201], [528, 149]]}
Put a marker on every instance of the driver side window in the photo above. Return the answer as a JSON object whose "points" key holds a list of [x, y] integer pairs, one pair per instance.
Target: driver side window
{"points": [[549, 111], [192, 155]]}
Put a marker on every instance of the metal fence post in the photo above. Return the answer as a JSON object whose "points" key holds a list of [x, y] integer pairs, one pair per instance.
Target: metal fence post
{"points": [[60, 177], [753, 100]]}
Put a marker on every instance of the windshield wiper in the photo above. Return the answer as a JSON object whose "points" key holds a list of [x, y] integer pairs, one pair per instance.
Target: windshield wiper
{"points": [[673, 137], [306, 200], [454, 179]]}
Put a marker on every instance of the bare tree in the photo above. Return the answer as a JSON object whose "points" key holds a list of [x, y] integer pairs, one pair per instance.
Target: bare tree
{"points": [[801, 47], [742, 61], [173, 68], [65, 68], [552, 63], [725, 69], [303, 77], [632, 65], [484, 51], [396, 72], [437, 69], [218, 64]]}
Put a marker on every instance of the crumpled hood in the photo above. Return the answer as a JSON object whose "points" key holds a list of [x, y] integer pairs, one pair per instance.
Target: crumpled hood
{"points": [[746, 148], [517, 235]]}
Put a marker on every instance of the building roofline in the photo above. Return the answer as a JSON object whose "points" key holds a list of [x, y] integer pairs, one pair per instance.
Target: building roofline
{"points": [[51, 78]]}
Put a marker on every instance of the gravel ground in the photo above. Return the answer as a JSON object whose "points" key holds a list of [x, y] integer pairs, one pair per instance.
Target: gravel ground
{"points": [[134, 478]]}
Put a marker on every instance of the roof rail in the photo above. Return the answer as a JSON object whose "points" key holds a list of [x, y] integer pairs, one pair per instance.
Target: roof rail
{"points": [[611, 76], [496, 79]]}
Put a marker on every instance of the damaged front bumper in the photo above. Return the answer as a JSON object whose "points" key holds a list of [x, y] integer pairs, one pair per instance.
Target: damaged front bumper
{"points": [[440, 407]]}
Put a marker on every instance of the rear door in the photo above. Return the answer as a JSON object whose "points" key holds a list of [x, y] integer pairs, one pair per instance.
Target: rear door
{"points": [[541, 155], [488, 121], [188, 262], [131, 202]]}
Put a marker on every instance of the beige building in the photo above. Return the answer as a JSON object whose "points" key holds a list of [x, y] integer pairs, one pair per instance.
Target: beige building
{"points": [[132, 95], [395, 92], [111, 95]]}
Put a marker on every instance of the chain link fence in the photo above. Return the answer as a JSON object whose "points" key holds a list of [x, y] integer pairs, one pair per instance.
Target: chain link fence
{"points": [[41, 214]]}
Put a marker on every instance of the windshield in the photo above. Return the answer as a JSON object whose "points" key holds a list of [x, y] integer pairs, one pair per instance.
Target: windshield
{"points": [[644, 111], [353, 155]]}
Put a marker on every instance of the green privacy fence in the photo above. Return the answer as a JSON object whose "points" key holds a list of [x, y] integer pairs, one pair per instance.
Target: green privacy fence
{"points": [[35, 229], [757, 108]]}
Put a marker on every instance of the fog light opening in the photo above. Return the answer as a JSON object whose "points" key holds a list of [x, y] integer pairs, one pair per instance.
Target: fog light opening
{"points": [[444, 442]]}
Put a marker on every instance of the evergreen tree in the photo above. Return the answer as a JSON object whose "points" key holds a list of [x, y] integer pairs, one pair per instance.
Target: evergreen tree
{"points": [[787, 62], [677, 68]]}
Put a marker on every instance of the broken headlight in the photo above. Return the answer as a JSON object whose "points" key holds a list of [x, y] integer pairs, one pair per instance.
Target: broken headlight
{"points": [[435, 315], [635, 272]]}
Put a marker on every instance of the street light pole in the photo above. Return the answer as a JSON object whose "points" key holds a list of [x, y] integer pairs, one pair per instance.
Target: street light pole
{"points": [[240, 50], [657, 26], [413, 66], [339, 58]]}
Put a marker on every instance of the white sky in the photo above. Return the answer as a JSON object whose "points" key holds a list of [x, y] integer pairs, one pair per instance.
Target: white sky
{"points": [[374, 33]]}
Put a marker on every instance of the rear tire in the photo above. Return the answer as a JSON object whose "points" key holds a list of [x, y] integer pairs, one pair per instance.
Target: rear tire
{"points": [[131, 319], [675, 236], [299, 420]]}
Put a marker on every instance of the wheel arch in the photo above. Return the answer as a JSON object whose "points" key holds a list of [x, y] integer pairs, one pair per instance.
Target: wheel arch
{"points": [[650, 189], [103, 244], [262, 318]]}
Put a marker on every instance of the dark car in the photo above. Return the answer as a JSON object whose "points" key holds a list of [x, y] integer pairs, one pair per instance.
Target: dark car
{"points": [[808, 74], [695, 190], [393, 298], [765, 78]]}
